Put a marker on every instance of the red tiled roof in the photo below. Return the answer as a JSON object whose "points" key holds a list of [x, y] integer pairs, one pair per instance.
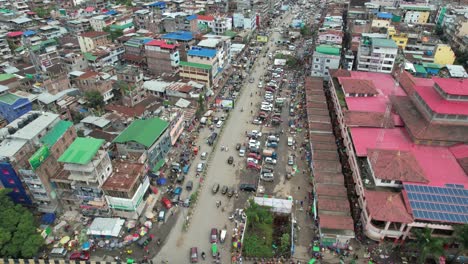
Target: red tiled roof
{"points": [[15, 34], [387, 206], [161, 43], [340, 73], [358, 86], [367, 119], [327, 166], [338, 222], [439, 104], [332, 32], [89, 9], [331, 191], [93, 34], [205, 18], [329, 178], [333, 205], [460, 151], [453, 86], [396, 165], [87, 75]]}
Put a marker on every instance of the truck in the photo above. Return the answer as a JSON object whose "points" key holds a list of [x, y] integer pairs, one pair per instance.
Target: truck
{"points": [[269, 153]]}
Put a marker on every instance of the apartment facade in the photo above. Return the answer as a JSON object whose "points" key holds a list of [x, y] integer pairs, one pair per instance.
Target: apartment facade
{"points": [[94, 81], [89, 41], [376, 55], [161, 57], [130, 85], [98, 23], [325, 57]]}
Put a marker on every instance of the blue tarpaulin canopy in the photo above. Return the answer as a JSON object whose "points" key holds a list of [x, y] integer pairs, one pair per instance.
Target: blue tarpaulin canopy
{"points": [[48, 218], [161, 181]]}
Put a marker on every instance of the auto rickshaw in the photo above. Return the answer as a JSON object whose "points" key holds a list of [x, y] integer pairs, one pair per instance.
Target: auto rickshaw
{"points": [[214, 250], [230, 160]]}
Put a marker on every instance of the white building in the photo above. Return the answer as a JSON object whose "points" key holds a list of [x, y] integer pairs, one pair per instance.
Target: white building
{"points": [[221, 25], [245, 21], [376, 55], [325, 57], [98, 23]]}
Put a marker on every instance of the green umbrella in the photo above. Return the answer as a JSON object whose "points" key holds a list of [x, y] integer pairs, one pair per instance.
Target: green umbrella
{"points": [[316, 249], [312, 261], [130, 261]]}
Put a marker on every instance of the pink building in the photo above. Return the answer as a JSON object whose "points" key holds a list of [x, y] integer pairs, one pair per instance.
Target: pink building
{"points": [[333, 37], [407, 149]]}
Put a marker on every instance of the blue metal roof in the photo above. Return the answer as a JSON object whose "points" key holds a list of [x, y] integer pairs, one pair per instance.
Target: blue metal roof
{"points": [[29, 33], [192, 17], [179, 35], [159, 4], [111, 12], [384, 15], [201, 52]]}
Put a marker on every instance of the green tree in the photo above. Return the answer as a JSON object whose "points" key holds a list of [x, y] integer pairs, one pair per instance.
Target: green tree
{"points": [[461, 238], [113, 33], [439, 31], [462, 58], [201, 105], [95, 99], [285, 243], [42, 12], [18, 235], [426, 245]]}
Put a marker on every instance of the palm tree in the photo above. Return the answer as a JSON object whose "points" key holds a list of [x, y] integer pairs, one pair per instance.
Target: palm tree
{"points": [[427, 245], [461, 238]]}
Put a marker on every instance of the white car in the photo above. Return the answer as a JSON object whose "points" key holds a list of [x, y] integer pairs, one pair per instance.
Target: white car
{"points": [[257, 121], [291, 160], [265, 108], [270, 160], [252, 160], [254, 142], [260, 84], [267, 104], [200, 167], [256, 133]]}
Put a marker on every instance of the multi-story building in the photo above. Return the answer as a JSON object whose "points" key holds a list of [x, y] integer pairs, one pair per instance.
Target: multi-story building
{"points": [[98, 23], [145, 140], [125, 24], [416, 14], [130, 85], [407, 174], [74, 62], [205, 23], [13, 106], [91, 40], [104, 56], [30, 154], [86, 167], [148, 19], [443, 54], [184, 38], [161, 57], [222, 46], [127, 189], [325, 57], [376, 55], [94, 81], [5, 51], [222, 24], [135, 51], [78, 26], [331, 37], [201, 66], [247, 20], [382, 20]]}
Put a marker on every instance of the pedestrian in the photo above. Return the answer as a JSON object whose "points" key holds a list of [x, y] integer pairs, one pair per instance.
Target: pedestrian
{"points": [[302, 203], [298, 187]]}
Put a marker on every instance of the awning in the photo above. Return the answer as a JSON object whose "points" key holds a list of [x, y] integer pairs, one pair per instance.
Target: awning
{"points": [[158, 165]]}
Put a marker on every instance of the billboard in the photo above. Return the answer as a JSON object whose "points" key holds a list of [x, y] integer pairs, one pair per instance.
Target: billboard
{"points": [[225, 103], [37, 158], [262, 39]]}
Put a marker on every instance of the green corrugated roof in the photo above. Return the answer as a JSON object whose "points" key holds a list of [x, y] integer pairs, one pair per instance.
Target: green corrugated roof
{"points": [[416, 8], [419, 57], [158, 165], [328, 49], [384, 43], [56, 133], [419, 68], [433, 65], [6, 76], [89, 56], [143, 131], [195, 65], [81, 151], [122, 27], [9, 98], [230, 33]]}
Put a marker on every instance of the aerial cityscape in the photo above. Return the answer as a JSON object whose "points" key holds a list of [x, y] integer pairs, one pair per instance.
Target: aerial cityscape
{"points": [[233, 131]]}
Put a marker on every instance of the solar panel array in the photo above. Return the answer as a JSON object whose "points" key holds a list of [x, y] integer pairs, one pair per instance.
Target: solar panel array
{"points": [[445, 204]]}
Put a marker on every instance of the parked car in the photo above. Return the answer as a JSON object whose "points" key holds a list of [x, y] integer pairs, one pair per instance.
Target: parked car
{"points": [[193, 255], [166, 203], [291, 160], [254, 156], [230, 192], [189, 186], [181, 178], [242, 152], [204, 155], [162, 216], [175, 199], [270, 160], [246, 187], [268, 176], [224, 190], [80, 255], [260, 84], [257, 121], [215, 188], [200, 167], [177, 191], [252, 160], [214, 235], [230, 160], [238, 146]]}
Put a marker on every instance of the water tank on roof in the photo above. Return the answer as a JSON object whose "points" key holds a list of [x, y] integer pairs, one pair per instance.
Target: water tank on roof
{"points": [[11, 130], [31, 118], [21, 124]]}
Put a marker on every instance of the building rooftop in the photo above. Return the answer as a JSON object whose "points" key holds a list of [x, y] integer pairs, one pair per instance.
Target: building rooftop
{"points": [[9, 147], [336, 222], [202, 52], [143, 131], [358, 86], [367, 119], [384, 43], [439, 104], [328, 49], [384, 15], [161, 43], [195, 65], [124, 177], [209, 43], [395, 165], [56, 133], [36, 126], [453, 86], [387, 206], [9, 98], [205, 18], [81, 151], [179, 35]]}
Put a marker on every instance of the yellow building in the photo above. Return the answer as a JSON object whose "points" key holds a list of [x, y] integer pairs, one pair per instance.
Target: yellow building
{"points": [[379, 23], [423, 17], [444, 54], [401, 39]]}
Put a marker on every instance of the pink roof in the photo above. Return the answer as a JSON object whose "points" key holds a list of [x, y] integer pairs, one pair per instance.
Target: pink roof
{"points": [[205, 18], [161, 43], [438, 163], [15, 34], [89, 9], [460, 151], [385, 86], [387, 206], [453, 86], [438, 104]]}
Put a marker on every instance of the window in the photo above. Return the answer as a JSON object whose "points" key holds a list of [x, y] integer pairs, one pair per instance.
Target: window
{"points": [[386, 181], [328, 60], [317, 59]]}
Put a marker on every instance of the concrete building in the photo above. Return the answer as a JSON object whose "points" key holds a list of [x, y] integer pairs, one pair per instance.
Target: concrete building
{"points": [[13, 106], [30, 155], [127, 189], [74, 62], [91, 40], [184, 38], [86, 167], [161, 57], [222, 24], [135, 51], [78, 26], [94, 81], [330, 37], [98, 23], [416, 14], [130, 85], [145, 140], [201, 66], [325, 57], [247, 20], [376, 55], [406, 165], [5, 51], [443, 54]]}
